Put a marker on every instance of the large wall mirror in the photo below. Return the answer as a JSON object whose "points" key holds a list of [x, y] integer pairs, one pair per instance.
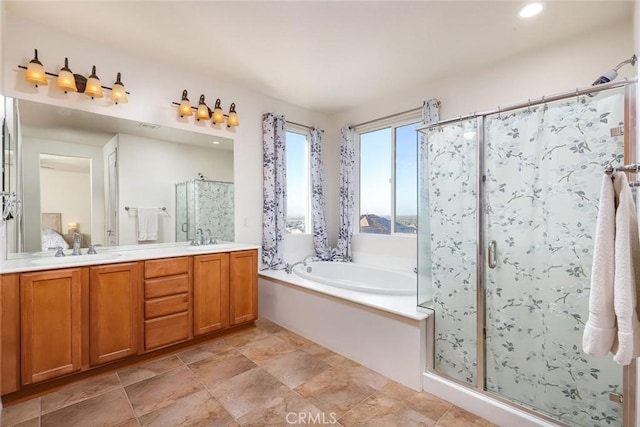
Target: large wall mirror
{"points": [[111, 179]]}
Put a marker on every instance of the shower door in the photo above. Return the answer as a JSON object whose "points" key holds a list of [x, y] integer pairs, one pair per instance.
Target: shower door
{"points": [[542, 176]]}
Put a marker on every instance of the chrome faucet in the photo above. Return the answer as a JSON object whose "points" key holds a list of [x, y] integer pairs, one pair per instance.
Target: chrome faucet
{"points": [[209, 240], [289, 267], [198, 240], [77, 238], [92, 249]]}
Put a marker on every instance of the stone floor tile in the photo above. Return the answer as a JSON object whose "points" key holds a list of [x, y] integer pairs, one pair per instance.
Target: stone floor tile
{"points": [[20, 412], [142, 372], [197, 409], [293, 369], [162, 390], [77, 392], [108, 409]]}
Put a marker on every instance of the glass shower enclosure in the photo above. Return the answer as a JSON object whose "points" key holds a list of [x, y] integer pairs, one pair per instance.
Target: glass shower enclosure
{"points": [[204, 205], [511, 200]]}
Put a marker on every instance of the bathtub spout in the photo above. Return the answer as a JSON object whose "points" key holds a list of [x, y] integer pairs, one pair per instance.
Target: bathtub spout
{"points": [[289, 267]]}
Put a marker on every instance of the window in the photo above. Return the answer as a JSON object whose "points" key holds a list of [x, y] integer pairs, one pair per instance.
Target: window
{"points": [[389, 180], [298, 183]]}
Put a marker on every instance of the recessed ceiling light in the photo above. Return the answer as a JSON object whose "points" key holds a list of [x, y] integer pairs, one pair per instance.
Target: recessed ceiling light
{"points": [[215, 142], [530, 10]]}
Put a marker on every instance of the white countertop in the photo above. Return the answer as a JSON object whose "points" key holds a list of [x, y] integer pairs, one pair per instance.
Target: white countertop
{"points": [[405, 306], [20, 263]]}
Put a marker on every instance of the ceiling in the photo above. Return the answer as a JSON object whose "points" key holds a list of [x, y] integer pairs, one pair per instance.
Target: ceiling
{"points": [[327, 56]]}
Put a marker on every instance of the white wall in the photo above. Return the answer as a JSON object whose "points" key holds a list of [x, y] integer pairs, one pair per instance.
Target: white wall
{"points": [[153, 87], [68, 193], [149, 169], [31, 201], [558, 68]]}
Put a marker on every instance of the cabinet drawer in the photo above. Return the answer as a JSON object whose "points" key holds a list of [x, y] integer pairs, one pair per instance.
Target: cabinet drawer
{"points": [[166, 267], [165, 286], [166, 330], [165, 306]]}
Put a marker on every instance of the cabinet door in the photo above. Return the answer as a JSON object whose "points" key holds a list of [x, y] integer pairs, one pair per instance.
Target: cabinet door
{"points": [[210, 293], [51, 310], [243, 286], [113, 312]]}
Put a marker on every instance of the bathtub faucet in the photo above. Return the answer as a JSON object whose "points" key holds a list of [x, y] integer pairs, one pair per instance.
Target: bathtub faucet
{"points": [[289, 267]]}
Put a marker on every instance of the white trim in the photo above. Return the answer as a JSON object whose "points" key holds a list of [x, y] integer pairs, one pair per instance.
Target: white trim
{"points": [[493, 410]]}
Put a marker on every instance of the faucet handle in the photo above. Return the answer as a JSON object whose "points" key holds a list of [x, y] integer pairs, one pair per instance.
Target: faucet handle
{"points": [[92, 249], [59, 251]]}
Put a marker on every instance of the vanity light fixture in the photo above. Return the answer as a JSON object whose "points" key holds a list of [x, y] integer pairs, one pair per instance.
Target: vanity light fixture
{"points": [[66, 81], [93, 87], [70, 82], [218, 115], [118, 94], [185, 105], [203, 112], [35, 72], [232, 120]]}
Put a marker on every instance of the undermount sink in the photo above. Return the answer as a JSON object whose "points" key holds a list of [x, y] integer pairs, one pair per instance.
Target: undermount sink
{"points": [[74, 258], [220, 246]]}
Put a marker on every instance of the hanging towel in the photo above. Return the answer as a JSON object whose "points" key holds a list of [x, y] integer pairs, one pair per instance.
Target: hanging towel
{"points": [[147, 224], [626, 273], [600, 329], [613, 320]]}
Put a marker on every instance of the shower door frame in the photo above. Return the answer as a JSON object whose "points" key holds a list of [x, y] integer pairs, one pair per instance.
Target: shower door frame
{"points": [[629, 372]]}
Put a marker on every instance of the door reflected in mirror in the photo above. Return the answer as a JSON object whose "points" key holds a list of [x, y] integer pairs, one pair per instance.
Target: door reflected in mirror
{"points": [[65, 200], [116, 163]]}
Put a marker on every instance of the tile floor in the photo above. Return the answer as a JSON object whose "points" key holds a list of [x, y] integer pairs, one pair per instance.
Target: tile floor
{"points": [[266, 376]]}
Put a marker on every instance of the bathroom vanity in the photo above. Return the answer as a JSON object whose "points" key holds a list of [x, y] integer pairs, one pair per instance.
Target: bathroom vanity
{"points": [[61, 317]]}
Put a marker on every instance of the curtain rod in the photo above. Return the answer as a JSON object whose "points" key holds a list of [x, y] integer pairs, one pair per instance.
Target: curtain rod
{"points": [[390, 116], [538, 101], [302, 126]]}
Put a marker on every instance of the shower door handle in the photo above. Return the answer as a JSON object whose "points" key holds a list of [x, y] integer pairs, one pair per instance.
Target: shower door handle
{"points": [[184, 227], [493, 262]]}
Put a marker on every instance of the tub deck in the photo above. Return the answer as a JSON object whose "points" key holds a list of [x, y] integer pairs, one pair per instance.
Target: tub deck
{"points": [[385, 333]]}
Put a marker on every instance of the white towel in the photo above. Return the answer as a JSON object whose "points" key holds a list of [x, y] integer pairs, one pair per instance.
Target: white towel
{"points": [[147, 224], [613, 320], [600, 329], [626, 273]]}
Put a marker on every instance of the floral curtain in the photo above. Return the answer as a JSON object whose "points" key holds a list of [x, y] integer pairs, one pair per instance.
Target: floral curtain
{"points": [[347, 161], [319, 222], [274, 191]]}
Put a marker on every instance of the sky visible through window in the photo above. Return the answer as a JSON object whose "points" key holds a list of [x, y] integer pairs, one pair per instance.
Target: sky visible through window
{"points": [[297, 170], [375, 171]]}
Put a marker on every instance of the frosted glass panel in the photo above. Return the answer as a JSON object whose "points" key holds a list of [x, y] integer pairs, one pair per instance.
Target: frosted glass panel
{"points": [[447, 267], [205, 205], [544, 169]]}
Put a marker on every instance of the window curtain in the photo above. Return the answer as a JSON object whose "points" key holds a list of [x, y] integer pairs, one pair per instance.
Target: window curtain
{"points": [[430, 111], [319, 222], [274, 191], [347, 161]]}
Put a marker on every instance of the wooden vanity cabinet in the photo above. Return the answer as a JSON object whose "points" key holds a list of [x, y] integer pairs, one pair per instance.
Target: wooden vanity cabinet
{"points": [[210, 293], [243, 286], [113, 311], [59, 322], [168, 316], [51, 323]]}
